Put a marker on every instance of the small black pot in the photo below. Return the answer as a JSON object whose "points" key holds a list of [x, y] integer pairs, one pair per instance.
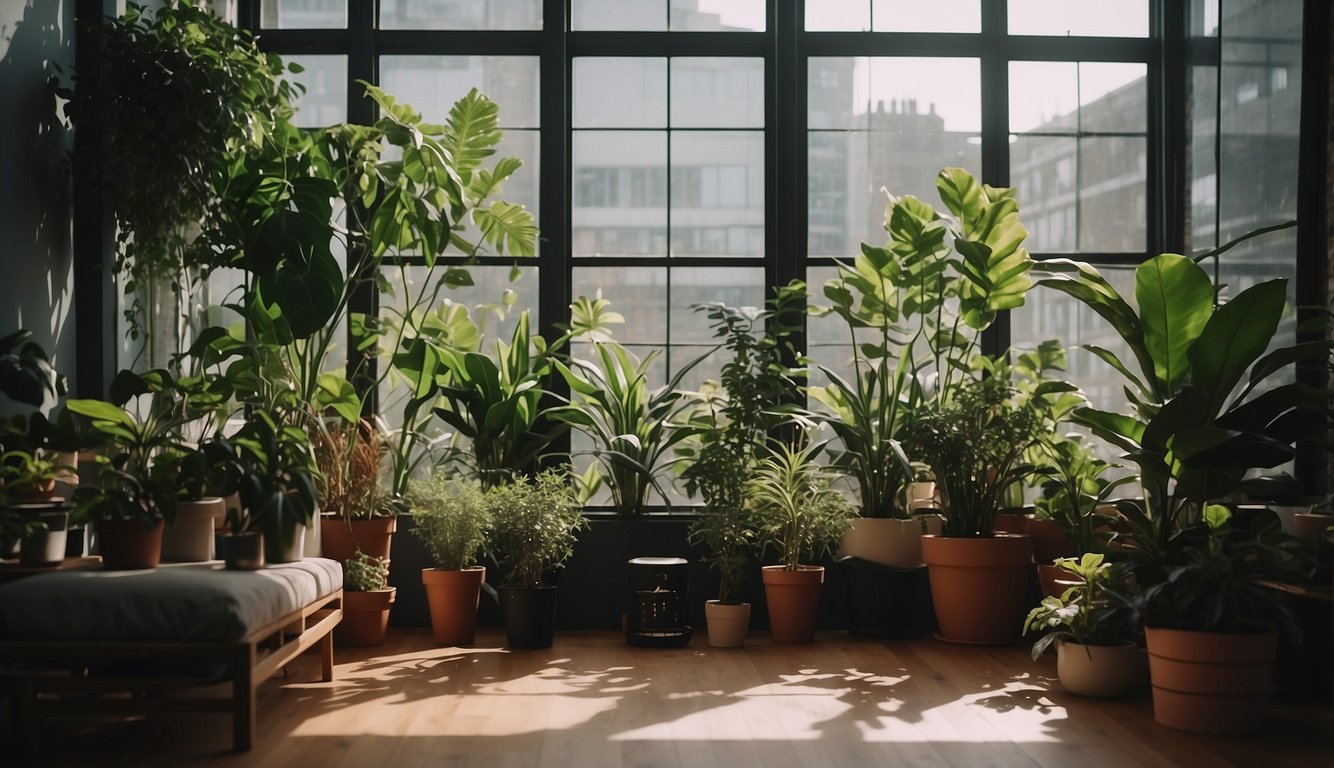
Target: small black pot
{"points": [[529, 614], [242, 551]]}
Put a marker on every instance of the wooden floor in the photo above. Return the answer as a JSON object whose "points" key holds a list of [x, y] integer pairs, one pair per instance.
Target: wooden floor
{"points": [[593, 701]]}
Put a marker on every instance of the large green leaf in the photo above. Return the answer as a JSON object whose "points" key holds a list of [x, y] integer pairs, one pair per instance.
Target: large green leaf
{"points": [[1234, 337], [1176, 299], [508, 227], [472, 132]]}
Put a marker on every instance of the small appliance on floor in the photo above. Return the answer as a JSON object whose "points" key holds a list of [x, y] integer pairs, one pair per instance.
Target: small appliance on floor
{"points": [[656, 604]]}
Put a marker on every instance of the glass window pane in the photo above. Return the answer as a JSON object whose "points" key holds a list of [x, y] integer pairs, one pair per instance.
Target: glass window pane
{"points": [[325, 100], [522, 187], [1112, 181], [1044, 96], [733, 286], [1044, 171], [1113, 97], [431, 84], [620, 193], [638, 293], [717, 15], [717, 93], [835, 93], [717, 193], [620, 92], [619, 15], [456, 14], [914, 16], [1092, 18], [925, 91], [841, 210], [838, 15], [1202, 228], [303, 14]]}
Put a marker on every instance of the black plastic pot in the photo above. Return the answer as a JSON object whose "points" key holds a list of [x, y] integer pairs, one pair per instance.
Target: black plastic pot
{"points": [[529, 614], [242, 551], [884, 601]]}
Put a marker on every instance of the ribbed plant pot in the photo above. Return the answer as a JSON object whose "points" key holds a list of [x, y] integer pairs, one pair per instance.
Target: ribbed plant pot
{"points": [[529, 614], [1210, 682], [276, 551], [189, 538], [1099, 671], [242, 551], [979, 586], [340, 538], [728, 623], [452, 597], [129, 545], [889, 541], [46, 547], [365, 616], [794, 601]]}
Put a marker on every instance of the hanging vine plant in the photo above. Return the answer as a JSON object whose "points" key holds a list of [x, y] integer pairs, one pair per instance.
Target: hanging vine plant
{"points": [[177, 95]]}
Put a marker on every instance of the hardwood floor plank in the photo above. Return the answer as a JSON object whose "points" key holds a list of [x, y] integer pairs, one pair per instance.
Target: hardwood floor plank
{"points": [[593, 701]]}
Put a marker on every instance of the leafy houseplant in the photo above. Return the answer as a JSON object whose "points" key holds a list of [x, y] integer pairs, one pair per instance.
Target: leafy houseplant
{"points": [[178, 94], [26, 476], [534, 523], [275, 479], [800, 517], [737, 424], [367, 599], [1096, 655], [358, 513], [451, 517]]}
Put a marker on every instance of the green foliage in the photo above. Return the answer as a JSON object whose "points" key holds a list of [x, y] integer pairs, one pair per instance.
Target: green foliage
{"points": [[632, 427], [975, 444], [27, 473], [451, 517], [177, 95], [1082, 614], [366, 573], [271, 466], [26, 375], [899, 304], [1075, 489], [800, 517], [534, 523], [736, 425]]}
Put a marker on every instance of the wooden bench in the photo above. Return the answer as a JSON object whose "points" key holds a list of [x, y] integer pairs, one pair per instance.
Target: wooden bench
{"points": [[71, 640]]}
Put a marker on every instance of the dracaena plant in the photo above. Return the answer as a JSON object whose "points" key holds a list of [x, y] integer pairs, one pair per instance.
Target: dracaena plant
{"points": [[915, 309], [800, 515]]}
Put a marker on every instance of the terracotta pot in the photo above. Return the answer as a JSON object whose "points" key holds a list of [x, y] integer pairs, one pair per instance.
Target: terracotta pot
{"points": [[365, 616], [242, 551], [1012, 523], [1055, 580], [44, 490], [979, 586], [794, 601], [340, 538], [189, 538], [1101, 671], [1310, 527], [453, 597], [889, 541], [129, 545], [1210, 682], [1050, 541], [728, 623]]}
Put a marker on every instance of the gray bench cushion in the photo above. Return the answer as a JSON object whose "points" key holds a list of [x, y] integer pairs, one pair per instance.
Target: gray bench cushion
{"points": [[187, 602]]}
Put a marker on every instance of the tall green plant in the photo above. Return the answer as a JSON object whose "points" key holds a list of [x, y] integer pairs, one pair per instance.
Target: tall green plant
{"points": [[800, 516], [914, 311]]}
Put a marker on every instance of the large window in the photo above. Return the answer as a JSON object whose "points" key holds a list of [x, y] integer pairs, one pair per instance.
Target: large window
{"points": [[680, 151]]}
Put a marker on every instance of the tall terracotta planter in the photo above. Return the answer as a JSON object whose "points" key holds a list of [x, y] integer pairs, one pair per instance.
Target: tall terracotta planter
{"points": [[1210, 682], [366, 616], [794, 601], [979, 586], [1055, 579], [453, 597], [129, 545], [1050, 541], [339, 538]]}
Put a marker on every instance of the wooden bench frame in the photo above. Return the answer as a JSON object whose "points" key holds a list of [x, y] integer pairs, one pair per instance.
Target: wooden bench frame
{"points": [[249, 662]]}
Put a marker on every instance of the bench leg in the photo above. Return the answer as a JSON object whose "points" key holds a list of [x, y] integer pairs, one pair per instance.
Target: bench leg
{"points": [[244, 698], [326, 657]]}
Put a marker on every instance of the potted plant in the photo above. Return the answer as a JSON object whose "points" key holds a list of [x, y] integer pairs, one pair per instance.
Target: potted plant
{"points": [[534, 523], [39, 519], [357, 511], [451, 517], [975, 444], [1094, 636], [1194, 437], [275, 483], [800, 518], [367, 599], [737, 423]]}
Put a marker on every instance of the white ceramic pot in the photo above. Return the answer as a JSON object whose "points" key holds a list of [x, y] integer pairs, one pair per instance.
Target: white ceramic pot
{"points": [[1101, 671], [728, 623], [189, 538], [889, 541]]}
